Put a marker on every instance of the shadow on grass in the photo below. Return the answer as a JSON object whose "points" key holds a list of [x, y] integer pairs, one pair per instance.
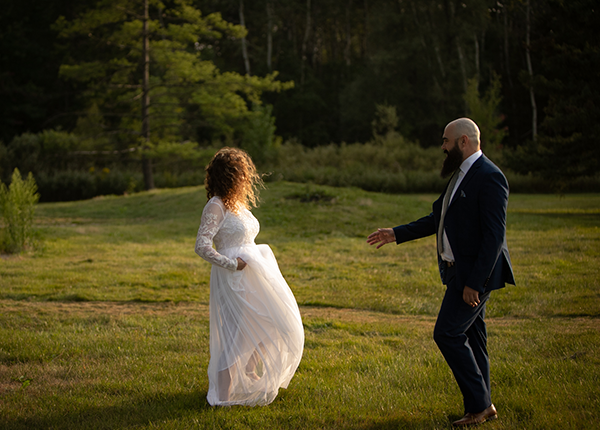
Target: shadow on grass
{"points": [[153, 409], [191, 410]]}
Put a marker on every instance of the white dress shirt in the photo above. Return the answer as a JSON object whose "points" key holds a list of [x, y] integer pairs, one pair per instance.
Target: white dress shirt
{"points": [[447, 254]]}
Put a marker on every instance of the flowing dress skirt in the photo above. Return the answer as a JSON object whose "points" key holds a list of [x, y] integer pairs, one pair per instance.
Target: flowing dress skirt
{"points": [[256, 333]]}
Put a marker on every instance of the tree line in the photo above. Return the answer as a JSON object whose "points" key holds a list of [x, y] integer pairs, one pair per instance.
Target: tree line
{"points": [[167, 77]]}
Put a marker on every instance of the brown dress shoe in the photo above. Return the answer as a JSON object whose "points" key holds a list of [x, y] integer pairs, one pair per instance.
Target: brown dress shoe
{"points": [[474, 419]]}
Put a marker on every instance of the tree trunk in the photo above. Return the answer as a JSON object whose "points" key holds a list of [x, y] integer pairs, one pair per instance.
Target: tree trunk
{"points": [[530, 71], [146, 162], [348, 48], [244, 48], [434, 41], [438, 57], [366, 36], [426, 49], [512, 117], [463, 67], [451, 12], [477, 72], [305, 41], [269, 35], [506, 50]]}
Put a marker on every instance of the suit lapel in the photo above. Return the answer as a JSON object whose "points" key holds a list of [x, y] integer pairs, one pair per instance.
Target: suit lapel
{"points": [[470, 174]]}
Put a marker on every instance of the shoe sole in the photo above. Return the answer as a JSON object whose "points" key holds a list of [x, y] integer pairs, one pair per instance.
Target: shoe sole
{"points": [[490, 418]]}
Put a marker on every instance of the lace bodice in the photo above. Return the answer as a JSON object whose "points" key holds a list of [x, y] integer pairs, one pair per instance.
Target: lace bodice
{"points": [[226, 229]]}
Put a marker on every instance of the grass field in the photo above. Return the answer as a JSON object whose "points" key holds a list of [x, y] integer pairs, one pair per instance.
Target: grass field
{"points": [[104, 324]]}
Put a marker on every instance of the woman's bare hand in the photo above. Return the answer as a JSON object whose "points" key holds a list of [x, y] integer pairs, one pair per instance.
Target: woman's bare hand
{"points": [[241, 264]]}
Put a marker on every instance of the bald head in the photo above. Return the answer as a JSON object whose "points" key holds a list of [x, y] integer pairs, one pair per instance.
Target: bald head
{"points": [[467, 133]]}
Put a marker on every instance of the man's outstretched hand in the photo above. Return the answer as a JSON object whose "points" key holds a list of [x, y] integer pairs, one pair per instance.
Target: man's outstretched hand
{"points": [[381, 237]]}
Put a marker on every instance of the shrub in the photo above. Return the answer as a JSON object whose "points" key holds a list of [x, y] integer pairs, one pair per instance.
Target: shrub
{"points": [[391, 164], [17, 203], [71, 185], [387, 164], [259, 138], [48, 151], [483, 109]]}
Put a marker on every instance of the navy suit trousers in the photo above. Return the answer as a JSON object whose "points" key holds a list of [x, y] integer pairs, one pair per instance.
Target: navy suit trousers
{"points": [[461, 336]]}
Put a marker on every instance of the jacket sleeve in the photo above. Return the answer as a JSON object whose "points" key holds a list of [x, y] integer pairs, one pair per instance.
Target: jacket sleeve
{"points": [[423, 227]]}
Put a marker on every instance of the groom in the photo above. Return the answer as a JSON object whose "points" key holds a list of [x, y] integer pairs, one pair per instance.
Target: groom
{"points": [[469, 220]]}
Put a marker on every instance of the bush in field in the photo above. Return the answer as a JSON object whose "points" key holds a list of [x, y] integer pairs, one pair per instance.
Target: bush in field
{"points": [[389, 163], [45, 151], [69, 166], [17, 203], [71, 185]]}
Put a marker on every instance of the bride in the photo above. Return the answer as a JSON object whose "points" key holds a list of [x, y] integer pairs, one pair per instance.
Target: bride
{"points": [[256, 333]]}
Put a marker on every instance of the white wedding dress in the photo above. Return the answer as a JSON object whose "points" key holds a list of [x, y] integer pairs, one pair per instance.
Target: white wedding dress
{"points": [[256, 333]]}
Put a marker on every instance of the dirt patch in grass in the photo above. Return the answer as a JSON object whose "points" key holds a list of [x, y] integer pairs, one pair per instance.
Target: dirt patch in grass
{"points": [[106, 308], [196, 309], [362, 316], [201, 310]]}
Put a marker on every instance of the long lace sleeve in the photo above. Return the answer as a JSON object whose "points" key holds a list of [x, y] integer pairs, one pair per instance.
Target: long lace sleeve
{"points": [[213, 216]]}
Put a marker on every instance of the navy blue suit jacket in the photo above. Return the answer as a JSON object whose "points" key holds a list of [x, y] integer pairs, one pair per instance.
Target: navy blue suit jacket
{"points": [[475, 224]]}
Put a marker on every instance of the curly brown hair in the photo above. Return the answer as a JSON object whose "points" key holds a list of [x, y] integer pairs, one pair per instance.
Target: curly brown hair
{"points": [[231, 175]]}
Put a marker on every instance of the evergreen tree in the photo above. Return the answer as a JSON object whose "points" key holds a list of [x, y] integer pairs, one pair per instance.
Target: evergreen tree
{"points": [[147, 66]]}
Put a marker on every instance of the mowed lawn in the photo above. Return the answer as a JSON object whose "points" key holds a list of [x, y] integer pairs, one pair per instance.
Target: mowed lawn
{"points": [[104, 325]]}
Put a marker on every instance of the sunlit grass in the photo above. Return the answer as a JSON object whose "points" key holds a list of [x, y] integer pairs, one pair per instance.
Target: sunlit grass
{"points": [[105, 323], [144, 365]]}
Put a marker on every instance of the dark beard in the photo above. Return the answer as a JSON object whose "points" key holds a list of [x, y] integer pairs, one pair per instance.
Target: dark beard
{"points": [[452, 162]]}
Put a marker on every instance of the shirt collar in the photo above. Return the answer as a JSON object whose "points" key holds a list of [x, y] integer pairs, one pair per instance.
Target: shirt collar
{"points": [[466, 165]]}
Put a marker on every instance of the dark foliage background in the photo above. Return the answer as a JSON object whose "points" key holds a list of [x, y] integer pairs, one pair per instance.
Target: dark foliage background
{"points": [[345, 59]]}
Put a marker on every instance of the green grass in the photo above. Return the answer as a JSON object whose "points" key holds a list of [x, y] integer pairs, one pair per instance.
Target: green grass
{"points": [[105, 323]]}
